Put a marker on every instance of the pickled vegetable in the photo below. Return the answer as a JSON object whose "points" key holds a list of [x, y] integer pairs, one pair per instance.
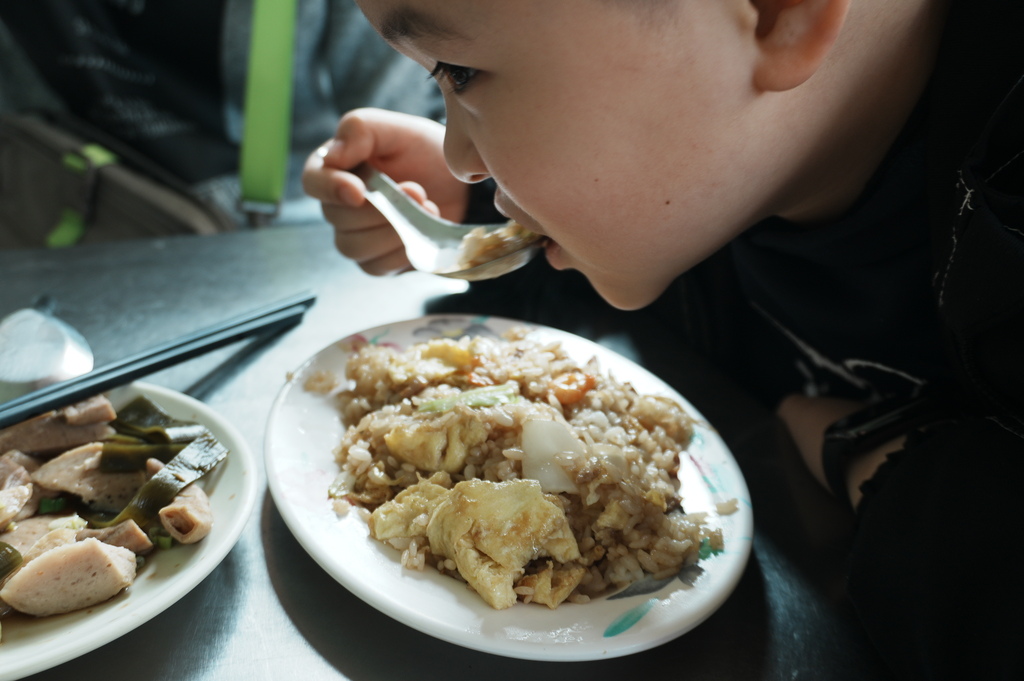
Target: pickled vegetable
{"points": [[10, 560], [120, 457], [191, 463], [489, 396], [143, 419]]}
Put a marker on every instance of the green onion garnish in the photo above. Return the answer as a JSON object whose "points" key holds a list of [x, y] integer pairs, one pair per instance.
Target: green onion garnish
{"points": [[488, 396]]}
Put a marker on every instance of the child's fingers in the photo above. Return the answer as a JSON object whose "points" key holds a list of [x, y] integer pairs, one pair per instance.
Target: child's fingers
{"points": [[377, 250], [330, 185], [432, 208], [414, 190], [377, 136], [393, 262], [361, 235], [419, 195], [401, 145]]}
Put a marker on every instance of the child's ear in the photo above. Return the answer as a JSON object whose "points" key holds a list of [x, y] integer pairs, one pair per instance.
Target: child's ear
{"points": [[794, 36]]}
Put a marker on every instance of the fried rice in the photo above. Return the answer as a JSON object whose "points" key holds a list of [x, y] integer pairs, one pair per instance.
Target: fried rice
{"points": [[509, 465], [480, 245]]}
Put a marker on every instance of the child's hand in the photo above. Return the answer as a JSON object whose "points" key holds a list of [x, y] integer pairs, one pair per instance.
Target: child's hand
{"points": [[407, 148]]}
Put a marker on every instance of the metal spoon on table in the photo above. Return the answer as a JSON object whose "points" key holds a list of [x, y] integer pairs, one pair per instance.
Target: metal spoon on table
{"points": [[38, 349], [438, 246]]}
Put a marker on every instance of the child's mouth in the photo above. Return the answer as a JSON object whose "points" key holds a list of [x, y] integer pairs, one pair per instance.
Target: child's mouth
{"points": [[511, 211]]}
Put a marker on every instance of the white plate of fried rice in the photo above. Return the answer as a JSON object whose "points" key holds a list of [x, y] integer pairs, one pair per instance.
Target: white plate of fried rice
{"points": [[669, 555]]}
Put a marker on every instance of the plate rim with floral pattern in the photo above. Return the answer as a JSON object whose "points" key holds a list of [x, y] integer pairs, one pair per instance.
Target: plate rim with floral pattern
{"points": [[304, 427]]}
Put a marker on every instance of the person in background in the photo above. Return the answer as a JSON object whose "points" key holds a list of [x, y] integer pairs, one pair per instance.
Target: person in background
{"points": [[829, 192], [168, 80]]}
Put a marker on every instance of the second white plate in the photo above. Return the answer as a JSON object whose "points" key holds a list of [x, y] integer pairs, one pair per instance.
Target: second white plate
{"points": [[32, 645]]}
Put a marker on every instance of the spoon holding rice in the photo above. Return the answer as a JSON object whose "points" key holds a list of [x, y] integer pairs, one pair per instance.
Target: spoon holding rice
{"points": [[449, 249]]}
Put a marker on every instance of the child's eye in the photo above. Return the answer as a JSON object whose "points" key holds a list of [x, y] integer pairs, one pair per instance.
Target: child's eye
{"points": [[457, 77]]}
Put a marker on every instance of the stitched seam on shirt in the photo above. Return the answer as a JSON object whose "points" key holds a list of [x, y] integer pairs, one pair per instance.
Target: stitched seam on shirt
{"points": [[1006, 426], [811, 353], [1000, 169], [1005, 165], [843, 369], [966, 205]]}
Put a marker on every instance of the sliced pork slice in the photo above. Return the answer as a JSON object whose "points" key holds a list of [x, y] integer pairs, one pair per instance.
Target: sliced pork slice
{"points": [[12, 501], [77, 471], [27, 532], [96, 409], [12, 470], [126, 535], [51, 540], [60, 430], [16, 458], [69, 578], [15, 471], [189, 517]]}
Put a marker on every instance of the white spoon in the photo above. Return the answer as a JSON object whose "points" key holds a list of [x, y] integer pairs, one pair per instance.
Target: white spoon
{"points": [[438, 246], [36, 350]]}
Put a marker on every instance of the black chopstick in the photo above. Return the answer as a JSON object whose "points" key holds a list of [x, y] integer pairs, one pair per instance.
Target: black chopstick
{"points": [[276, 316]]}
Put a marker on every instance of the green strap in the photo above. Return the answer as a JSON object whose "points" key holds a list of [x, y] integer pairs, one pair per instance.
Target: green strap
{"points": [[68, 231], [268, 104], [71, 225]]}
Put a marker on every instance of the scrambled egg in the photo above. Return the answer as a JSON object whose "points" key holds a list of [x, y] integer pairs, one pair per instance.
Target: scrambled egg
{"points": [[519, 410], [436, 445], [492, 531], [431, 361]]}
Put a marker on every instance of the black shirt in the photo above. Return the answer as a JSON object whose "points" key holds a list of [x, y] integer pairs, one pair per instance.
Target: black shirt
{"points": [[845, 309]]}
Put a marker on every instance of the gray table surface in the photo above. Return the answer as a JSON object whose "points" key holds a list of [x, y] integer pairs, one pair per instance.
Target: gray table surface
{"points": [[269, 612]]}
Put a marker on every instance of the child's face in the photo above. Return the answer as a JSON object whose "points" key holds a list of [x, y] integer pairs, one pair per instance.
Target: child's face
{"points": [[612, 130]]}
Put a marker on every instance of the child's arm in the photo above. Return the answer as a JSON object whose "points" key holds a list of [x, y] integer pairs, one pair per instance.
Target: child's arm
{"points": [[410, 150], [807, 419]]}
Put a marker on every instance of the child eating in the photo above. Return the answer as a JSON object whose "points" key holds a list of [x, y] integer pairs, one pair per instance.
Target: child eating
{"points": [[853, 163]]}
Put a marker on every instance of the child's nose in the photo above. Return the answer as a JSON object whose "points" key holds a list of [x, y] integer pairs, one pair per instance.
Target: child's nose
{"points": [[461, 154]]}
